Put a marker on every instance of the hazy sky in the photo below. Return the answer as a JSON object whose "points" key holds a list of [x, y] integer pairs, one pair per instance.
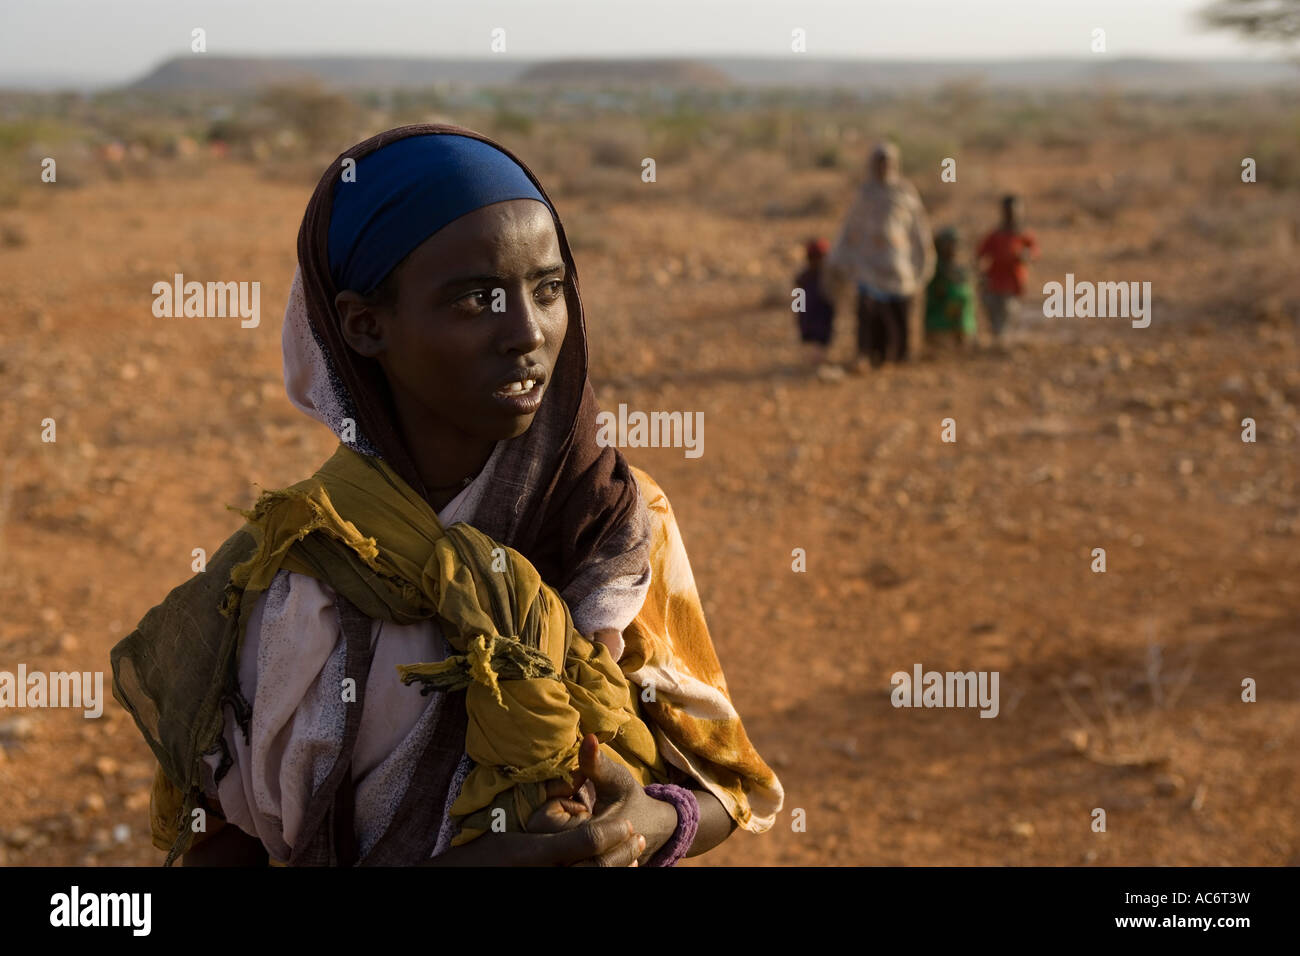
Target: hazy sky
{"points": [[114, 40]]}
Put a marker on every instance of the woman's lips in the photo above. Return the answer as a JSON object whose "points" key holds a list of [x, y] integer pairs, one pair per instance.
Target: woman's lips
{"points": [[521, 398]]}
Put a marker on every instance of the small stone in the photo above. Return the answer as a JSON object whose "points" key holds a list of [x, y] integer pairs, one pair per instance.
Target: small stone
{"points": [[883, 575], [1168, 784], [106, 767], [56, 826], [93, 803], [1077, 740], [1022, 829], [20, 836], [847, 746], [121, 833], [17, 728], [1232, 385]]}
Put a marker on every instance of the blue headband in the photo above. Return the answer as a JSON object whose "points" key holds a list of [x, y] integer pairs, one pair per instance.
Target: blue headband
{"points": [[406, 192]]}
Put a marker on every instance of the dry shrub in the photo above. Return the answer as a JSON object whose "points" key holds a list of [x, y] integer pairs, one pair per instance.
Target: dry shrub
{"points": [[319, 119]]}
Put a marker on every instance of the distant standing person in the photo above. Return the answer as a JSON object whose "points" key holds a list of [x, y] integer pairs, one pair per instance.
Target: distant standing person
{"points": [[818, 313], [950, 296], [1004, 255], [886, 249]]}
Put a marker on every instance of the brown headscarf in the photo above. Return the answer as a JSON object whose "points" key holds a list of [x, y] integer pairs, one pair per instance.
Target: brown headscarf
{"points": [[569, 505]]}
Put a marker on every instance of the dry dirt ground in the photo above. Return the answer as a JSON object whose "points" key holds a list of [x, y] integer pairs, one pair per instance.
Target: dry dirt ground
{"points": [[1120, 691]]}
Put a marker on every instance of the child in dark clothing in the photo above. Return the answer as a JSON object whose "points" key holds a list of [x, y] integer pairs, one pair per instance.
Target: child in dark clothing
{"points": [[1004, 254], [818, 313]]}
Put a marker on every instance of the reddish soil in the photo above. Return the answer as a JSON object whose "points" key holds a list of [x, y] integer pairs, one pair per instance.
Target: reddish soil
{"points": [[1120, 691]]}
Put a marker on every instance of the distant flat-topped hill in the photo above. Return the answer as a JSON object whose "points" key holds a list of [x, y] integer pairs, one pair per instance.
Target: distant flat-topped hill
{"points": [[628, 72], [202, 72], [230, 73]]}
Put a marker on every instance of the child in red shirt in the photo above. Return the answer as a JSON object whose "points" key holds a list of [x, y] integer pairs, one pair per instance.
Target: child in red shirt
{"points": [[1003, 255]]}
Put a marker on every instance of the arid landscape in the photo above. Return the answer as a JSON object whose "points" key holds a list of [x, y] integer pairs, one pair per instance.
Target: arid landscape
{"points": [[1120, 690]]}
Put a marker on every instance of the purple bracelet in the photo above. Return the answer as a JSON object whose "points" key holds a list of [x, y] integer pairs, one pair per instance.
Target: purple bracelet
{"points": [[688, 822]]}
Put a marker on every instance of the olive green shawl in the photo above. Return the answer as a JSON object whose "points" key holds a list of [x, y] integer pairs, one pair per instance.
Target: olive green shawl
{"points": [[534, 685]]}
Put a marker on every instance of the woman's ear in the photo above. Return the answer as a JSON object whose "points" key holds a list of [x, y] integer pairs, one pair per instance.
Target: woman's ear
{"points": [[364, 329]]}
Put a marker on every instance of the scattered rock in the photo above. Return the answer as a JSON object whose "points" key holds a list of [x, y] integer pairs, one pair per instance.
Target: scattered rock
{"points": [[1045, 473], [92, 803], [1168, 784], [106, 767], [1233, 385], [13, 235], [883, 575], [17, 728], [848, 746], [20, 836]]}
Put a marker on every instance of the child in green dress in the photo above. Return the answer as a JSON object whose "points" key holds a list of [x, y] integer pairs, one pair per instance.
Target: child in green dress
{"points": [[950, 296]]}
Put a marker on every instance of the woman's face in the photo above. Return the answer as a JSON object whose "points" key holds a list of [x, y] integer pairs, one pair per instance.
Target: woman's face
{"points": [[471, 340], [884, 167]]}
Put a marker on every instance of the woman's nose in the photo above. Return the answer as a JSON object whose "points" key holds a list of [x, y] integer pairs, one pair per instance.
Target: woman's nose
{"points": [[521, 326]]}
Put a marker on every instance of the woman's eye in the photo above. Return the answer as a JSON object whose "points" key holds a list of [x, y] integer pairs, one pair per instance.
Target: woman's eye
{"points": [[550, 291], [475, 301]]}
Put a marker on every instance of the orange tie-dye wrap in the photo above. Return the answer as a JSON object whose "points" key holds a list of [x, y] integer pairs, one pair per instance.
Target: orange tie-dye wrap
{"points": [[670, 655]]}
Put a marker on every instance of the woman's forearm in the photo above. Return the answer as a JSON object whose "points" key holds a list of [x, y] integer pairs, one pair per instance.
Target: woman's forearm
{"points": [[715, 823]]}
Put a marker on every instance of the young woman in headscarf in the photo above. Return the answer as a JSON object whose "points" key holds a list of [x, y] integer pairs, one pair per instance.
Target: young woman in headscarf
{"points": [[473, 636], [885, 248]]}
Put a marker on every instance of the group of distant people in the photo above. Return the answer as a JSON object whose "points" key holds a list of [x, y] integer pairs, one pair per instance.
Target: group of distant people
{"points": [[886, 249]]}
